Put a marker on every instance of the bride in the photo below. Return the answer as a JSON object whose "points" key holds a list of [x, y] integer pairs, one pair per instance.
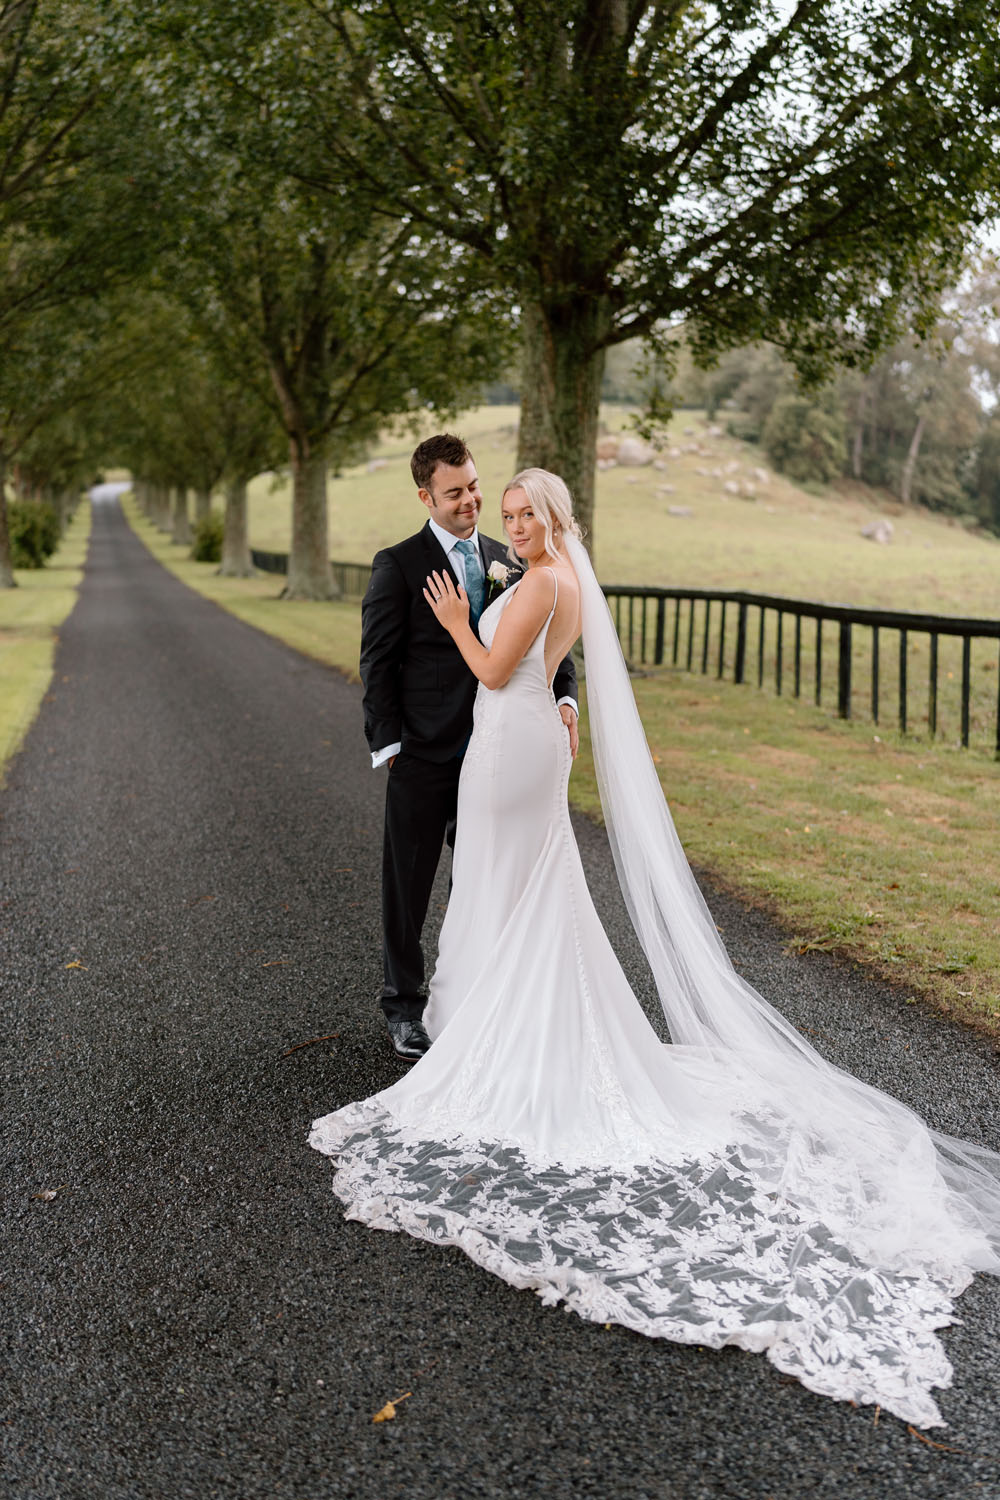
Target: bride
{"points": [[731, 1187]]}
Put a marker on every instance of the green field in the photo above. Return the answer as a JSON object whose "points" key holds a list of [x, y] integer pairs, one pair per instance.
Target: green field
{"points": [[859, 842], [30, 616], [785, 541]]}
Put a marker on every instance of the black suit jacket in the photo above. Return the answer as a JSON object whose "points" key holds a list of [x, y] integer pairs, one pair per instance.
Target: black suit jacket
{"points": [[418, 690]]}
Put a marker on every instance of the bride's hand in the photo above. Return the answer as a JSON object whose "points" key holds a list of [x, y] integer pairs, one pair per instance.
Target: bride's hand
{"points": [[450, 605]]}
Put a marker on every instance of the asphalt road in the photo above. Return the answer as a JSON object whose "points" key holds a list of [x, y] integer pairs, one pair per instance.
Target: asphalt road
{"points": [[189, 851]]}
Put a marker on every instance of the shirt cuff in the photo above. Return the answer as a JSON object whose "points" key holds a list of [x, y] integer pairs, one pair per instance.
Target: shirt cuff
{"points": [[379, 757], [570, 703]]}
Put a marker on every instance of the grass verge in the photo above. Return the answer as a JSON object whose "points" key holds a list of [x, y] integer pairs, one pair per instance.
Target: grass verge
{"points": [[858, 843], [30, 617]]}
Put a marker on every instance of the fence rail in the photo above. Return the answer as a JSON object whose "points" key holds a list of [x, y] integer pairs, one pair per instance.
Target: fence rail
{"points": [[946, 671], [943, 675]]}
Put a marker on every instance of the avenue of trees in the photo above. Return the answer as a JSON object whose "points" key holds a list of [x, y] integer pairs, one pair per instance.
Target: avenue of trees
{"points": [[241, 237]]}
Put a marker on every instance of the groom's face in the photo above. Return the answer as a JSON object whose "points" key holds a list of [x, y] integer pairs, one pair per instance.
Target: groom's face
{"points": [[453, 498]]}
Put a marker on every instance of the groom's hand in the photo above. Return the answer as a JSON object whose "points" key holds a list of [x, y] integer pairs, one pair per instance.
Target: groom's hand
{"points": [[569, 718]]}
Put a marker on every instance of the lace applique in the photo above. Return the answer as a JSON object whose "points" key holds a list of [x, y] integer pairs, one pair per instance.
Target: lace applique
{"points": [[695, 1251]]}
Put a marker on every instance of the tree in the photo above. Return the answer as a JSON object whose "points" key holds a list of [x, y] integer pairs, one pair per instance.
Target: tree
{"points": [[355, 318], [72, 192], [987, 477], [199, 418], [781, 173], [805, 439]]}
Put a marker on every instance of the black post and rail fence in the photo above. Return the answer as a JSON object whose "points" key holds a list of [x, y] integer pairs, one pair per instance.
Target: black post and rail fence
{"points": [[937, 675]]}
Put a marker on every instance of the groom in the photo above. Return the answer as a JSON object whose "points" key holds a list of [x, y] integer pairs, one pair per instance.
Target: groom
{"points": [[418, 708]]}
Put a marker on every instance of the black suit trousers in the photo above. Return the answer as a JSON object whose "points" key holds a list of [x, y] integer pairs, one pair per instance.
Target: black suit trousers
{"points": [[420, 804]]}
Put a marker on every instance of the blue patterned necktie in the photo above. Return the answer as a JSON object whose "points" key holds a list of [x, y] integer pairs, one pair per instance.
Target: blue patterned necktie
{"points": [[475, 583]]}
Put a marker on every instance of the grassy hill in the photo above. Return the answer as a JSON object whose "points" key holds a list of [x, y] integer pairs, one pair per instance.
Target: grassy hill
{"points": [[786, 540]]}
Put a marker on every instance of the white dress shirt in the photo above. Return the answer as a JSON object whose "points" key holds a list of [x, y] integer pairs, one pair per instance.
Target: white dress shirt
{"points": [[448, 543]]}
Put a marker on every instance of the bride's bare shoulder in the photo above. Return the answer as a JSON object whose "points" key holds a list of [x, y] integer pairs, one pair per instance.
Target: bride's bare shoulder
{"points": [[566, 578]]}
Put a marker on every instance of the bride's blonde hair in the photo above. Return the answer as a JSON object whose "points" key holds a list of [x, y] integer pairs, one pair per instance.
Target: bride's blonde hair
{"points": [[552, 503]]}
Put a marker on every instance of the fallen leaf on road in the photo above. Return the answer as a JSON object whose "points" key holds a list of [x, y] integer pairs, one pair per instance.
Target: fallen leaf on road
{"points": [[74, 964], [46, 1195], [944, 1447], [275, 963], [388, 1412]]}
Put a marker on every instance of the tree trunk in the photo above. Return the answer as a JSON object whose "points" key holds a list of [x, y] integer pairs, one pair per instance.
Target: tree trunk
{"points": [[7, 579], [309, 572], [180, 530], [236, 561], [562, 368], [65, 506], [202, 504], [161, 507], [910, 462]]}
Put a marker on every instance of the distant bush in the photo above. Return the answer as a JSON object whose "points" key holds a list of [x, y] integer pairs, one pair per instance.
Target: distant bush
{"points": [[804, 441], [744, 426], [34, 532], [207, 545]]}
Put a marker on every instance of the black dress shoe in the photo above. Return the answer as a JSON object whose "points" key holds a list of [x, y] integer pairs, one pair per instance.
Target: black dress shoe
{"points": [[409, 1039]]}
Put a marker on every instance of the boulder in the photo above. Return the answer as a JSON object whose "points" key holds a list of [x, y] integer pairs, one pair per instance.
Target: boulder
{"points": [[679, 510], [878, 531], [633, 452], [607, 446]]}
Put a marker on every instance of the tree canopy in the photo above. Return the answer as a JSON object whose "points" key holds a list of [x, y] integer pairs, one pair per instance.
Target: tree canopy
{"points": [[795, 174], [356, 210]]}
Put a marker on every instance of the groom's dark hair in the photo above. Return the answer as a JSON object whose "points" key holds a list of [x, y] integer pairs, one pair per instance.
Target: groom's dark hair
{"points": [[444, 448]]}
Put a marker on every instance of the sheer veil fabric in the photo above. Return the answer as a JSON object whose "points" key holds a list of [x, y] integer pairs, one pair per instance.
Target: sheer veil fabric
{"points": [[731, 1187]]}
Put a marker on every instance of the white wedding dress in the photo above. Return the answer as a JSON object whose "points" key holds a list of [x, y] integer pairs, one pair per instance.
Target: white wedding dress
{"points": [[730, 1188]]}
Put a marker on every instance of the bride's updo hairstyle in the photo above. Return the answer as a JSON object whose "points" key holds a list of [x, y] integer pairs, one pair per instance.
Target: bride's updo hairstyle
{"points": [[552, 503]]}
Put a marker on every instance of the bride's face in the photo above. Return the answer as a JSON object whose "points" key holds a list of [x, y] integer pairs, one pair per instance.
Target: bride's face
{"points": [[523, 528]]}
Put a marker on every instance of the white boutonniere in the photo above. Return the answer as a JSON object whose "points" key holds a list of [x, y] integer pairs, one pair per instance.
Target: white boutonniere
{"points": [[498, 576]]}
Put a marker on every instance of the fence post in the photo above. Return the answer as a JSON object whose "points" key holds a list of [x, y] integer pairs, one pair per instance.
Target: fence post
{"points": [[739, 670], [722, 641], [932, 687], [844, 671], [966, 671], [874, 674], [661, 612]]}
